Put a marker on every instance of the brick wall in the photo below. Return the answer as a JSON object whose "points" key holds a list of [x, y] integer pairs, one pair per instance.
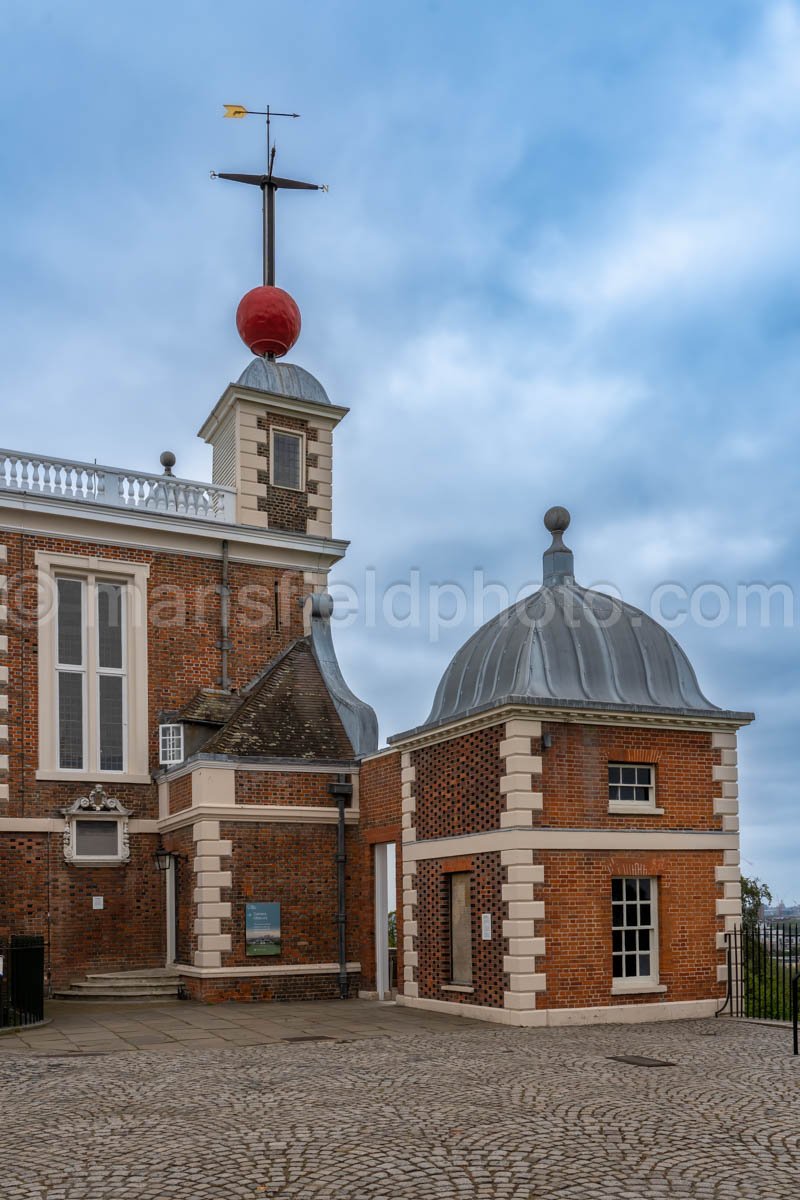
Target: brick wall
{"points": [[379, 821], [294, 866], [575, 777], [577, 925], [457, 785], [286, 509], [128, 932], [180, 793], [24, 871], [433, 919], [270, 987], [291, 787]]}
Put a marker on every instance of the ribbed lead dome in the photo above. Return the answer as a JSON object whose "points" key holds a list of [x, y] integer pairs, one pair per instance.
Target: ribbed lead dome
{"points": [[569, 646], [283, 379]]}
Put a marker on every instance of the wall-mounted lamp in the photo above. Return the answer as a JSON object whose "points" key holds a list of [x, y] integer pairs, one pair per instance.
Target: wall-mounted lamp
{"points": [[163, 859], [547, 741]]}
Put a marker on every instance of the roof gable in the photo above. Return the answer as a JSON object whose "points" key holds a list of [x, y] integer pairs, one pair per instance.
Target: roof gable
{"points": [[287, 712]]}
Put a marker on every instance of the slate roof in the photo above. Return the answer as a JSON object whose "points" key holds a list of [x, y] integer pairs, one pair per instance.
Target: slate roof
{"points": [[287, 712], [210, 706]]}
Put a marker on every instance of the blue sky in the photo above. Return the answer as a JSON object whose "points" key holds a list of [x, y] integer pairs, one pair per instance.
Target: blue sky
{"points": [[558, 263]]}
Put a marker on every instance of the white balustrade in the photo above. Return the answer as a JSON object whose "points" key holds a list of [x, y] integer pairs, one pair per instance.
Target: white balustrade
{"points": [[89, 482]]}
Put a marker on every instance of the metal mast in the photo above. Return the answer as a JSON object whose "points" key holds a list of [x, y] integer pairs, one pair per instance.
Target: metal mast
{"points": [[269, 184]]}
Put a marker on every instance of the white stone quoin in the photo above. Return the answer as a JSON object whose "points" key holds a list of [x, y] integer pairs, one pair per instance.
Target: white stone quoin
{"points": [[726, 805], [521, 787], [408, 777], [210, 878]]}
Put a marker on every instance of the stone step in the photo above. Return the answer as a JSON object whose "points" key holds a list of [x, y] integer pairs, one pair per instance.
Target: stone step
{"points": [[154, 983], [109, 993], [116, 997], [125, 989], [160, 973], [113, 989], [111, 984]]}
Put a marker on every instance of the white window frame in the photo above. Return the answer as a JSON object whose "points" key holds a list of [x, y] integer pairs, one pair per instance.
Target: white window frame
{"points": [[170, 736], [295, 433], [626, 807], [91, 571], [73, 668], [112, 672], [625, 985]]}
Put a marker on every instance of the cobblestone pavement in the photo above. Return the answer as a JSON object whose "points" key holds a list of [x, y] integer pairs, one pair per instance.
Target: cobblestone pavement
{"points": [[430, 1109]]}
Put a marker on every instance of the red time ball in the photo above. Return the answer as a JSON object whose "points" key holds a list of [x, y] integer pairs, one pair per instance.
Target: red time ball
{"points": [[268, 321]]}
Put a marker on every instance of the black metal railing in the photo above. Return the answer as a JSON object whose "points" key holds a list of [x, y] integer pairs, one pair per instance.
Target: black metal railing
{"points": [[22, 981], [795, 1009], [763, 973]]}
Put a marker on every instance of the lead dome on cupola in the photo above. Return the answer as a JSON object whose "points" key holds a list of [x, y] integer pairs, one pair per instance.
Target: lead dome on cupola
{"points": [[567, 646]]}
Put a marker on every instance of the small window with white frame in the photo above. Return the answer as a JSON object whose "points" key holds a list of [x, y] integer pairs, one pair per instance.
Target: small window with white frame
{"points": [[287, 455], [631, 787], [634, 932], [170, 745]]}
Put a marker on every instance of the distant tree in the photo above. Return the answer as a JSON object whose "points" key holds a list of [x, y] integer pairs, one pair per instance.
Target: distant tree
{"points": [[754, 895], [392, 930]]}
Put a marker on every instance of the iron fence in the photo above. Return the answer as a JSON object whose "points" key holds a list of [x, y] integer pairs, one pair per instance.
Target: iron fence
{"points": [[22, 981], [763, 973]]}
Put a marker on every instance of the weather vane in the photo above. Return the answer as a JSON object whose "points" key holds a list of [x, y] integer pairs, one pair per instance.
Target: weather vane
{"points": [[268, 183]]}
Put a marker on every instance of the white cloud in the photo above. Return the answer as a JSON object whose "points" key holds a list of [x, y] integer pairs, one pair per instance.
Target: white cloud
{"points": [[688, 544], [713, 209]]}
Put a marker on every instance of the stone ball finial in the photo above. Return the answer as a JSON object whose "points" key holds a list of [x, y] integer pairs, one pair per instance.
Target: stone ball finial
{"points": [[557, 519], [167, 461], [557, 562]]}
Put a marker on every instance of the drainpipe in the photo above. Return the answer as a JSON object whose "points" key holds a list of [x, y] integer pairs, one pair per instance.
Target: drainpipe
{"points": [[342, 791], [224, 643]]}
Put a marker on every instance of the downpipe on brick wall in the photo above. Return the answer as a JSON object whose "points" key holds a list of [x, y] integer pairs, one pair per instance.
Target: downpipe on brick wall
{"points": [[224, 643], [342, 792]]}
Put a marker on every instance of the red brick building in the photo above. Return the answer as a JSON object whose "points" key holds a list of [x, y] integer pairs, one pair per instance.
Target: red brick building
{"points": [[570, 827], [188, 784], [181, 752]]}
